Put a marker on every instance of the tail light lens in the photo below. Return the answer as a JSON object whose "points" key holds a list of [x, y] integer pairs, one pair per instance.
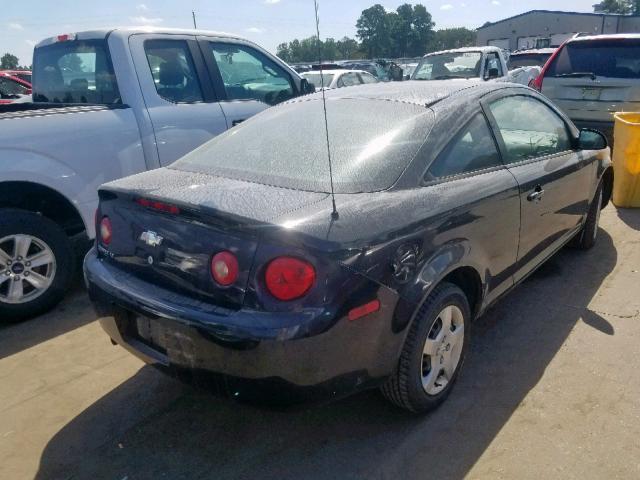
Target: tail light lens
{"points": [[288, 278], [224, 268], [106, 231]]}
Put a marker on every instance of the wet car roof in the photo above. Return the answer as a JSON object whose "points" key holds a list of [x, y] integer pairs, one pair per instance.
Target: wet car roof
{"points": [[424, 93]]}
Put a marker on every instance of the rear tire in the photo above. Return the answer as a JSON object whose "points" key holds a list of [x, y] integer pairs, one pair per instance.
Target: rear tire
{"points": [[587, 236], [433, 354], [36, 264]]}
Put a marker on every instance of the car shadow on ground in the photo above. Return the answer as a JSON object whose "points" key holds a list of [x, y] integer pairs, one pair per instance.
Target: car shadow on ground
{"points": [[630, 217], [73, 312], [199, 436]]}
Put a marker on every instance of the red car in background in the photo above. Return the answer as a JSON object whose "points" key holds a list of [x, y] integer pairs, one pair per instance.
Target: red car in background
{"points": [[12, 88], [24, 75]]}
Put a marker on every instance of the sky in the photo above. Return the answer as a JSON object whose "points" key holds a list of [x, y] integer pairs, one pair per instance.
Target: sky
{"points": [[266, 22]]}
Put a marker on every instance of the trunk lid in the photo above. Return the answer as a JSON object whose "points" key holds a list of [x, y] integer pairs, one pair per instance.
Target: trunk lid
{"points": [[174, 249]]}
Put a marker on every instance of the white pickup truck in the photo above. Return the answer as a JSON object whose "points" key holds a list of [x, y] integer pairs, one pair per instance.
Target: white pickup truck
{"points": [[111, 103]]}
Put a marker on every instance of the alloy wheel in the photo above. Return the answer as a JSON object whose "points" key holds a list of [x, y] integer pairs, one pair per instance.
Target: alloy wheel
{"points": [[27, 268]]}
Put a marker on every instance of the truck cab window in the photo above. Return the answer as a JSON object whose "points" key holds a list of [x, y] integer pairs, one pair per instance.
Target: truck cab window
{"points": [[248, 74], [75, 72], [173, 71]]}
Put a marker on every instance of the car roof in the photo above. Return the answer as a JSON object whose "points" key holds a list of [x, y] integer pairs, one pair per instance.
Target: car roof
{"points": [[486, 49], [417, 92], [531, 51], [102, 33], [613, 36], [334, 71]]}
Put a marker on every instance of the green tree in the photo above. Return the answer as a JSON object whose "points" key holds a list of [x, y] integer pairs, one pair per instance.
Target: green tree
{"points": [[347, 48], [284, 52], [452, 38], [623, 7], [422, 32], [372, 28], [402, 29], [8, 62]]}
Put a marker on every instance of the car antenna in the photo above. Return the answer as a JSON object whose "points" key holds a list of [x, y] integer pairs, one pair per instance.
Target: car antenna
{"points": [[334, 212]]}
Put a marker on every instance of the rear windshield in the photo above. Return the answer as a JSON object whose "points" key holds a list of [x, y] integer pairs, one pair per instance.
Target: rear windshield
{"points": [[528, 60], [449, 65], [74, 72], [316, 79], [603, 58], [372, 142]]}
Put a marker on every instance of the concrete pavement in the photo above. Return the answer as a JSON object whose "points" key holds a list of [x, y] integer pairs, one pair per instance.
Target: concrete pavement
{"points": [[551, 389]]}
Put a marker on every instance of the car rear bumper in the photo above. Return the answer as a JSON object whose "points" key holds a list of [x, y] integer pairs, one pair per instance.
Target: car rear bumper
{"points": [[227, 350]]}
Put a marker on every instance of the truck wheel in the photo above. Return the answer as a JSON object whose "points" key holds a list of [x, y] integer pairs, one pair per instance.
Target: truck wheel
{"points": [[433, 352], [586, 238], [36, 264]]}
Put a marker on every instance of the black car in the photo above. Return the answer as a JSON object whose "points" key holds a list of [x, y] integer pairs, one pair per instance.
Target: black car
{"points": [[232, 267]]}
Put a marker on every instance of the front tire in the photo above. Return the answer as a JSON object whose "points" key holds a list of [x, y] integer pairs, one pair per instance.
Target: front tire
{"points": [[433, 352], [36, 264]]}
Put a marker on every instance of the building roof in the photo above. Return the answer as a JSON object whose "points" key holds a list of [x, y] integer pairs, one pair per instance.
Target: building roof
{"points": [[555, 12]]}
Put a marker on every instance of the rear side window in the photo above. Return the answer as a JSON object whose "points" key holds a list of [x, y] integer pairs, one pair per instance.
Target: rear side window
{"points": [[528, 60], [74, 72], [9, 88], [529, 128], [368, 78], [349, 80], [173, 71], [248, 74], [472, 149], [493, 62], [603, 58]]}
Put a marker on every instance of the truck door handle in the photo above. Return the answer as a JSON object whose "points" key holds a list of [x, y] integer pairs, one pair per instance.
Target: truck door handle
{"points": [[237, 122], [536, 195]]}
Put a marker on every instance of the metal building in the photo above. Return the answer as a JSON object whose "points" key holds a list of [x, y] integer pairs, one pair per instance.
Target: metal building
{"points": [[546, 28]]}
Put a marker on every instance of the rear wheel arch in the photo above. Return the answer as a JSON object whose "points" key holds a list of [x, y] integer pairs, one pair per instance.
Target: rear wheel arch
{"points": [[469, 281], [43, 200]]}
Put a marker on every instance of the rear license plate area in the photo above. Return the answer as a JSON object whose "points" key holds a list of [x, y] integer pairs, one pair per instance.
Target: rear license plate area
{"points": [[150, 332]]}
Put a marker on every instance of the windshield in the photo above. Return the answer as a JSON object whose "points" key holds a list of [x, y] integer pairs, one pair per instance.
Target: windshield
{"points": [[372, 142], [10, 88], [74, 72], [604, 58], [449, 65], [316, 79], [528, 60]]}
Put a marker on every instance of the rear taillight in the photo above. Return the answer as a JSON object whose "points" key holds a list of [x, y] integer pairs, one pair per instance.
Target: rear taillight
{"points": [[106, 231], [288, 278], [224, 268]]}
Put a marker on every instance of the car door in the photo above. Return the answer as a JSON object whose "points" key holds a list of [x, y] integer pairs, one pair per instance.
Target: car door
{"points": [[555, 183], [246, 79], [178, 93], [469, 177]]}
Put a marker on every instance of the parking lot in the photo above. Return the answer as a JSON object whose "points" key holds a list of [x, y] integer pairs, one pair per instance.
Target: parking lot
{"points": [[551, 389]]}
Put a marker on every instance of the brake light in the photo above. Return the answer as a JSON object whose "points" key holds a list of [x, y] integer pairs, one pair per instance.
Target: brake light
{"points": [[106, 231], [536, 83], [65, 37], [288, 278], [161, 206], [224, 268]]}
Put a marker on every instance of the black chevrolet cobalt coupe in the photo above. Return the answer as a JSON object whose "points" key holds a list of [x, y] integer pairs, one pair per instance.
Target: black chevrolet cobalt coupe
{"points": [[232, 268]]}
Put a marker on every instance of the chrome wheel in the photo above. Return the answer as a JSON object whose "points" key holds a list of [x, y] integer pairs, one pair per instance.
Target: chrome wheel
{"points": [[27, 268], [442, 350]]}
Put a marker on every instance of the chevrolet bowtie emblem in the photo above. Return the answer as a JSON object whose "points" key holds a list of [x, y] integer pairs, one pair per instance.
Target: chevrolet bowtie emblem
{"points": [[151, 238]]}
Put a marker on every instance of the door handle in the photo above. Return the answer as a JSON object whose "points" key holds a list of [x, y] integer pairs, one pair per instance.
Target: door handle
{"points": [[237, 122], [536, 195]]}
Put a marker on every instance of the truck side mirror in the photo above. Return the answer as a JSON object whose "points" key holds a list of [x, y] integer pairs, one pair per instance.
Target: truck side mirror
{"points": [[306, 87], [493, 73]]}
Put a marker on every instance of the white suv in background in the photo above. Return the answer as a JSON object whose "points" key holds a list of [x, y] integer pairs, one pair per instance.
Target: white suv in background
{"points": [[592, 77]]}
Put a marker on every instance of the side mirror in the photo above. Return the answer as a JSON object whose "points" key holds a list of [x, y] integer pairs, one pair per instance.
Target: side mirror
{"points": [[493, 73], [407, 77], [306, 88], [590, 139]]}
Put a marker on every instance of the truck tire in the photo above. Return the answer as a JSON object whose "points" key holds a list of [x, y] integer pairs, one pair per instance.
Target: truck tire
{"points": [[587, 236], [36, 264], [433, 352]]}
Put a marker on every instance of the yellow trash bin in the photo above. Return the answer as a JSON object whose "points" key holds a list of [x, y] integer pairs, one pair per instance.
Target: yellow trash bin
{"points": [[626, 160]]}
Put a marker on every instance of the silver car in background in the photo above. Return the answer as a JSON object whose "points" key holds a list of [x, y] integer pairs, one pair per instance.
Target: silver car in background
{"points": [[592, 77]]}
